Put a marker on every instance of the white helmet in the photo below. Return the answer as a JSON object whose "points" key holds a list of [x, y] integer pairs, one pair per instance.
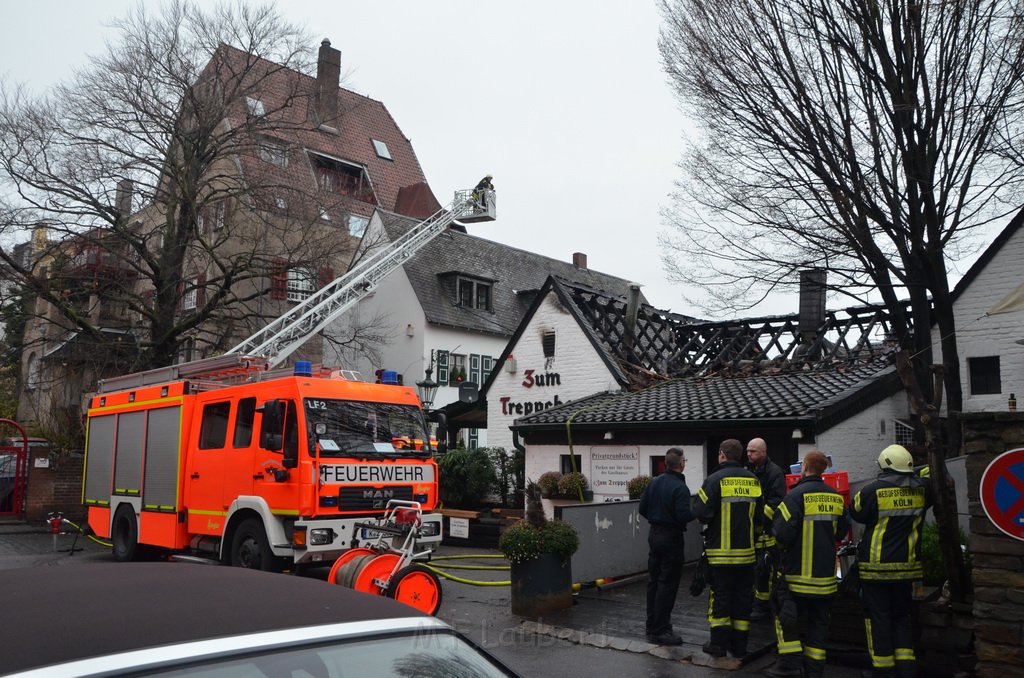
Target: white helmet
{"points": [[896, 458]]}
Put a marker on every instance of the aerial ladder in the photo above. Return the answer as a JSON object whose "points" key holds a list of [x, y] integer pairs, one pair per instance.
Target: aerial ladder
{"points": [[270, 347]]}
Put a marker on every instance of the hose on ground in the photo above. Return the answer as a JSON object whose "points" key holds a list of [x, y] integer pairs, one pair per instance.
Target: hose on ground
{"points": [[437, 569], [91, 536]]}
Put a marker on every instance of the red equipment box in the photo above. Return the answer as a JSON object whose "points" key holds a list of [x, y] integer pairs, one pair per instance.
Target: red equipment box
{"points": [[840, 480]]}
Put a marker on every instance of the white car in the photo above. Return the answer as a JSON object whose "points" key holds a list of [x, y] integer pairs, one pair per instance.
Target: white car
{"points": [[185, 619]]}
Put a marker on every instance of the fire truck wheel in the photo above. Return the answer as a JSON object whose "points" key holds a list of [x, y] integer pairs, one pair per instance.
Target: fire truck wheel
{"points": [[250, 548], [417, 587], [125, 534]]}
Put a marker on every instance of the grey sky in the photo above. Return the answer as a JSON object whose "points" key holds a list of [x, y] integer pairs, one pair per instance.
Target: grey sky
{"points": [[564, 102]]}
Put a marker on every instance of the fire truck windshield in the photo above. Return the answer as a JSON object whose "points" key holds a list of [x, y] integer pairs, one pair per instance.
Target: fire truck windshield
{"points": [[345, 428]]}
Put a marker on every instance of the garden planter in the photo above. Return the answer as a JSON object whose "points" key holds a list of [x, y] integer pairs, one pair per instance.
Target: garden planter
{"points": [[541, 586]]}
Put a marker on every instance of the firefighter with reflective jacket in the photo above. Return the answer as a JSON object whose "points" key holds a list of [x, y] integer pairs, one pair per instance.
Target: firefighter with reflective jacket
{"points": [[773, 489], [729, 503], [807, 524], [892, 509]]}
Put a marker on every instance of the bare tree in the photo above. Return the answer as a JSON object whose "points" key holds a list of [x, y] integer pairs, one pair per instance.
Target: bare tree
{"points": [[157, 235], [868, 138]]}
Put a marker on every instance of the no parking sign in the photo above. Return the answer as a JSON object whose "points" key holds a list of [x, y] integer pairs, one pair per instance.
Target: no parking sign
{"points": [[1002, 492]]}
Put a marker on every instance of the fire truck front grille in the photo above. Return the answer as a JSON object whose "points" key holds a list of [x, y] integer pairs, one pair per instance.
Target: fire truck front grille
{"points": [[367, 498]]}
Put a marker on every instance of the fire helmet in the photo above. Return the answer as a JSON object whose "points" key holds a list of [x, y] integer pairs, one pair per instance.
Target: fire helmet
{"points": [[896, 458]]}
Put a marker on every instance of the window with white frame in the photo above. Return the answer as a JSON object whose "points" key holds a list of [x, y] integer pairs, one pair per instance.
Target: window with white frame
{"points": [[300, 284], [381, 148], [255, 107], [190, 295], [474, 294], [457, 369], [274, 152], [357, 225], [217, 215]]}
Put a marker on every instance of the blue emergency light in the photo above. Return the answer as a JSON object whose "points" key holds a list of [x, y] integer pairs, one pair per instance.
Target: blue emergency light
{"points": [[303, 368]]}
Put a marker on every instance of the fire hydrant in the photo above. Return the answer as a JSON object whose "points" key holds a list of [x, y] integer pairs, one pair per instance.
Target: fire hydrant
{"points": [[56, 520]]}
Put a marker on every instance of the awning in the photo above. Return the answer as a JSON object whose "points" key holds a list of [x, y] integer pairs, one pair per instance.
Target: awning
{"points": [[1014, 301]]}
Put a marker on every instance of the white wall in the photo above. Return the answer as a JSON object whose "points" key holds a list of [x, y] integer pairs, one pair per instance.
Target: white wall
{"points": [[575, 371], [980, 336], [856, 442]]}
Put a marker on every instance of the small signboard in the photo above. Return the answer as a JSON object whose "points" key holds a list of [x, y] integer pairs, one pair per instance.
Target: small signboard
{"points": [[1002, 493], [458, 527], [611, 469]]}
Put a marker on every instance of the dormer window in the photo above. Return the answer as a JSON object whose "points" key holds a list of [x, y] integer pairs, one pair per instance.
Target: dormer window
{"points": [[255, 107], [381, 148], [274, 152], [357, 225], [474, 294], [342, 178]]}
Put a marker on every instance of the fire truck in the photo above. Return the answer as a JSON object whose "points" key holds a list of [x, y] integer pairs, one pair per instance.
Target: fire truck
{"points": [[259, 466]]}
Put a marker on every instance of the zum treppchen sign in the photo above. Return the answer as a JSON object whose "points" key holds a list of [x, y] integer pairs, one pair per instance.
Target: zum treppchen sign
{"points": [[533, 380]]}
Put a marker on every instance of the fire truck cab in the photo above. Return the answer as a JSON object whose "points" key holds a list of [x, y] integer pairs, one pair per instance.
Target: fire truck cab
{"points": [[262, 474]]}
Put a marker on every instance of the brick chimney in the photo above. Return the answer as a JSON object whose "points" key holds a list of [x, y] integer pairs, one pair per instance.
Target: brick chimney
{"points": [[123, 198], [328, 79], [632, 311], [812, 303], [579, 260]]}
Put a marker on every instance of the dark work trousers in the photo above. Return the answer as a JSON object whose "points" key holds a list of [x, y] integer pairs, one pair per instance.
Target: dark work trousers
{"points": [[802, 637], [765, 573], [729, 606], [664, 567], [890, 635]]}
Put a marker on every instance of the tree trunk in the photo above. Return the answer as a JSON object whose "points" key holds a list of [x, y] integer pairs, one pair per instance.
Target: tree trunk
{"points": [[945, 499]]}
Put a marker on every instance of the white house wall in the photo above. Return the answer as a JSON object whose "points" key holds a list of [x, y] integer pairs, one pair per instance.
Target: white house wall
{"points": [[537, 382], [981, 336], [855, 443]]}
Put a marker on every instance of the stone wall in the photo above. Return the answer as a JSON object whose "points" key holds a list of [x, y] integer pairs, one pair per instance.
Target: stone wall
{"points": [[998, 559]]}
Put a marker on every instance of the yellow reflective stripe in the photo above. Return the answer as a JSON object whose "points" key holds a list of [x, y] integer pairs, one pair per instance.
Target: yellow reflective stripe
{"points": [[726, 530], [703, 495], [197, 512], [731, 560], [807, 549], [815, 653], [769, 512], [763, 595], [856, 502], [875, 553], [886, 662], [741, 624], [719, 621], [784, 510], [905, 654], [912, 539]]}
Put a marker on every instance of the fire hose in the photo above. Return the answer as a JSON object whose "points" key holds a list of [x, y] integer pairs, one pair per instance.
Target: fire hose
{"points": [[437, 569], [57, 520]]}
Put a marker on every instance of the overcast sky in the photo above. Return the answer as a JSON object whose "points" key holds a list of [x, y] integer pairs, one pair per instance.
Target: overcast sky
{"points": [[563, 101]]}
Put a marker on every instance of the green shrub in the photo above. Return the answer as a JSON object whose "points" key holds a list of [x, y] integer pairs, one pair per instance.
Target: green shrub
{"points": [[931, 555], [572, 485], [548, 483], [522, 541], [510, 469], [636, 486], [467, 478]]}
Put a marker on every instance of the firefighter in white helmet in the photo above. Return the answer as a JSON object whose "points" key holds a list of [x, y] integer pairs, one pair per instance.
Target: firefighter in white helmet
{"points": [[892, 509]]}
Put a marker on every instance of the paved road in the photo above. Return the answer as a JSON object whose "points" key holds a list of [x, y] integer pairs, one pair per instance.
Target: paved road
{"points": [[601, 619]]}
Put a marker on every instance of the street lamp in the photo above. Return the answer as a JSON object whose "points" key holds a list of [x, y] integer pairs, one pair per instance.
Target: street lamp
{"points": [[427, 388]]}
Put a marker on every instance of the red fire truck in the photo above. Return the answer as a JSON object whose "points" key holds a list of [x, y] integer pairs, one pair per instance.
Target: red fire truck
{"points": [[259, 466]]}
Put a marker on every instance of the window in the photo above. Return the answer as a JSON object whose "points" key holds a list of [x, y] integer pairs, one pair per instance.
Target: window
{"points": [[456, 369], [243, 422], [473, 438], [273, 152], [381, 148], [280, 203], [474, 294], [189, 298], [565, 464], [357, 225], [324, 214], [32, 381], [255, 107], [300, 284], [442, 367], [547, 341], [984, 375], [213, 430], [336, 176]]}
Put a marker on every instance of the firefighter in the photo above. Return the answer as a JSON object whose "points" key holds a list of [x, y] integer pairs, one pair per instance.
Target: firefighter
{"points": [[480, 191], [773, 489], [807, 524], [892, 509], [729, 503]]}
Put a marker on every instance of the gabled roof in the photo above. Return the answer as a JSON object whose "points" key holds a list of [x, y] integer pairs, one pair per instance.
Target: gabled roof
{"points": [[289, 95], [990, 252], [811, 399], [517, 275]]}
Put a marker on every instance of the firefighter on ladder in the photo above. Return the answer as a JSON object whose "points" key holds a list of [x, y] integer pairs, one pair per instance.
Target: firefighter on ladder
{"points": [[892, 509], [480, 192], [807, 524]]}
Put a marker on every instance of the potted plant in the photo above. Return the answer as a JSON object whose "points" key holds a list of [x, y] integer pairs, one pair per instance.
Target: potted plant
{"points": [[637, 485], [574, 486], [547, 484], [540, 552]]}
